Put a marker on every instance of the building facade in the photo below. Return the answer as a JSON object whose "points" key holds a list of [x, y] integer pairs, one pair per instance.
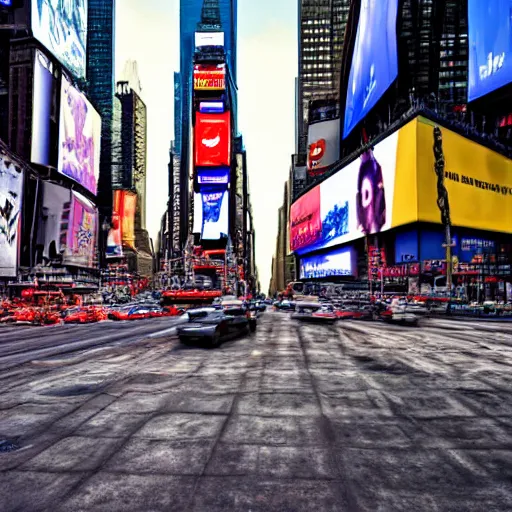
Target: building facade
{"points": [[101, 19]]}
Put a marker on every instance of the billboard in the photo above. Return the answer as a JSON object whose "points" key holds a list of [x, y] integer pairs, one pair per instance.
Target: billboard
{"points": [[209, 77], [79, 138], [211, 213], [209, 39], [323, 145], [478, 181], [212, 140], [42, 109], [123, 214], [81, 244], [211, 107], [490, 46], [11, 195], [354, 202], [374, 61], [335, 263], [62, 28], [213, 176]]}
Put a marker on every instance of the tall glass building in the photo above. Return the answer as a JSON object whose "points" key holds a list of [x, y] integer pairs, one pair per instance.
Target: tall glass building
{"points": [[190, 17], [100, 86]]}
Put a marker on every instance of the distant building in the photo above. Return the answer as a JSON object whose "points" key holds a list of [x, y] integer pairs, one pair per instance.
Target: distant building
{"points": [[100, 86], [321, 32]]}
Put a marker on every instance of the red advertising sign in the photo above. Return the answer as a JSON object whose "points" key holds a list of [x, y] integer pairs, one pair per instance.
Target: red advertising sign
{"points": [[212, 141], [209, 77], [305, 220]]}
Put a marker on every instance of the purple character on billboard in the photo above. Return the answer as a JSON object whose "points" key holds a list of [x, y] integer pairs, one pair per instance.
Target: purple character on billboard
{"points": [[78, 145], [370, 199]]}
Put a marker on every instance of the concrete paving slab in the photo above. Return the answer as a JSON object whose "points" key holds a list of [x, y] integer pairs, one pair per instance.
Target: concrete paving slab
{"points": [[141, 456], [278, 404], [183, 401], [74, 454], [35, 491], [107, 492], [355, 404], [234, 494], [233, 460], [109, 423], [183, 426], [136, 403]]}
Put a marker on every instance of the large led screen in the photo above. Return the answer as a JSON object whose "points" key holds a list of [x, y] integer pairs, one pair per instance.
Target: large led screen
{"points": [[69, 224], [11, 193], [478, 181], [79, 138], [335, 263], [42, 108], [81, 246], [211, 213], [490, 46], [374, 61], [213, 176], [323, 144], [61, 26], [123, 214], [354, 202], [209, 77], [212, 140], [209, 39]]}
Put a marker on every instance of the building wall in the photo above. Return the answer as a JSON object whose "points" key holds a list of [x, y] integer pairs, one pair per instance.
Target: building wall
{"points": [[100, 86]]}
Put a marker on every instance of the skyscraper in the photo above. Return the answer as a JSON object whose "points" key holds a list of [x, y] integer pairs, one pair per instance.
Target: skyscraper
{"points": [[190, 17], [100, 86], [322, 26]]}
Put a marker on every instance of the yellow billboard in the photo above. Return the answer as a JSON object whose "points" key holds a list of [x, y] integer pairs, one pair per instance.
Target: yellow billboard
{"points": [[478, 181]]}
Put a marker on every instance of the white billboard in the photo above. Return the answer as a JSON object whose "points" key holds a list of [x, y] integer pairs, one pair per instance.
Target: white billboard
{"points": [[209, 39], [323, 144], [11, 193], [61, 26]]}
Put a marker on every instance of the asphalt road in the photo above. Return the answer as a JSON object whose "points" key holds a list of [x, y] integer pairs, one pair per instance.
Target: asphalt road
{"points": [[353, 417]]}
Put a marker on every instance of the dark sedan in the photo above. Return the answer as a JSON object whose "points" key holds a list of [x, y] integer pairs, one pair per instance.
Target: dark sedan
{"points": [[213, 326]]}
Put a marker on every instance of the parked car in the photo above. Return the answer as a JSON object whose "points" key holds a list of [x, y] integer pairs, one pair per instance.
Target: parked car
{"points": [[284, 305]]}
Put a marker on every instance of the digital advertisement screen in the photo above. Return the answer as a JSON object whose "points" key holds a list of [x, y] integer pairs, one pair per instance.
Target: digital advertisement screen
{"points": [[42, 108], [210, 77], [81, 246], [209, 39], [305, 220], [123, 210], [56, 220], [478, 181], [62, 28], [490, 46], [5, 3], [354, 202], [79, 138], [211, 213], [11, 194], [213, 140], [211, 107], [213, 176], [323, 144], [335, 263], [374, 61]]}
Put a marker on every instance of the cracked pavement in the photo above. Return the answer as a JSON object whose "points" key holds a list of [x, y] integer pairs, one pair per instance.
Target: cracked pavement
{"points": [[352, 417]]}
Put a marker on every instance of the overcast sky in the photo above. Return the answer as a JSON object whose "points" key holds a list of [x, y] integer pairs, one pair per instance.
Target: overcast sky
{"points": [[148, 32]]}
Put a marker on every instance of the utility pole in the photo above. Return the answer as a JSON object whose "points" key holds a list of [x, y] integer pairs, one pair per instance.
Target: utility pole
{"points": [[443, 203]]}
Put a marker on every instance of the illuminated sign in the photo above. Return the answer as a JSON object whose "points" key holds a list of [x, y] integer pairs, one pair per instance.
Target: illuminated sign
{"points": [[211, 107], [213, 176], [209, 39], [335, 263], [212, 140], [209, 77], [323, 145]]}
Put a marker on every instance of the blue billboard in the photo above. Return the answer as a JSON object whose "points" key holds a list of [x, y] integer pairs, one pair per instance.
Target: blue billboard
{"points": [[335, 263], [374, 61], [490, 46], [211, 213]]}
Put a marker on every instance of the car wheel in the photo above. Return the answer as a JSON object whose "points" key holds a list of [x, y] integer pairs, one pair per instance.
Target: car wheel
{"points": [[215, 339]]}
